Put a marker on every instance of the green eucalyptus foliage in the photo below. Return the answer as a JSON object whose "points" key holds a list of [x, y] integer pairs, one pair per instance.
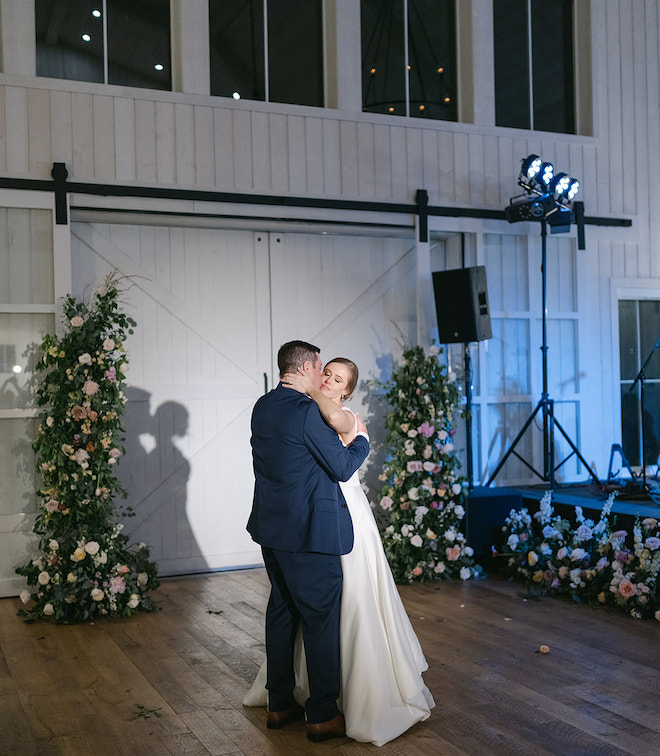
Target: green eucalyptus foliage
{"points": [[85, 566]]}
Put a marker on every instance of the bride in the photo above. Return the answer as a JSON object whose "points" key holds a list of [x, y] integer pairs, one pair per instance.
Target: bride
{"points": [[383, 693]]}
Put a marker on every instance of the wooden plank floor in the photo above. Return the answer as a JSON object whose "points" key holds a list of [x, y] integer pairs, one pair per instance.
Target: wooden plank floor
{"points": [[97, 688]]}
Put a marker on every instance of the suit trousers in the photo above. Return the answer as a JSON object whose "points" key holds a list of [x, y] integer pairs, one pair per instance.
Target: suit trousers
{"points": [[305, 588]]}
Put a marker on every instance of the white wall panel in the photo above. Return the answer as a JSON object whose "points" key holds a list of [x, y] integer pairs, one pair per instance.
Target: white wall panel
{"points": [[197, 360]]}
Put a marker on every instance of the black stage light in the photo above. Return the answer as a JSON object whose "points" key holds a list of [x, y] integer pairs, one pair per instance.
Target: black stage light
{"points": [[530, 208]]}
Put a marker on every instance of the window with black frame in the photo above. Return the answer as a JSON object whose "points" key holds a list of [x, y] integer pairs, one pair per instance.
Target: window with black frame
{"points": [[639, 332], [270, 51], [534, 65], [124, 42], [409, 58]]}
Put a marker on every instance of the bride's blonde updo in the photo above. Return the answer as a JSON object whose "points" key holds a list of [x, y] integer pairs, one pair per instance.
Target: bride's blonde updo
{"points": [[353, 375]]}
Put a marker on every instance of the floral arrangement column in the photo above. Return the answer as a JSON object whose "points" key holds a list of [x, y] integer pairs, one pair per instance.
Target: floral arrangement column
{"points": [[85, 567], [424, 496]]}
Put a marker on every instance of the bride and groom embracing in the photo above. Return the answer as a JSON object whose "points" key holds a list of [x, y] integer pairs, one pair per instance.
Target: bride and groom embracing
{"points": [[340, 649]]}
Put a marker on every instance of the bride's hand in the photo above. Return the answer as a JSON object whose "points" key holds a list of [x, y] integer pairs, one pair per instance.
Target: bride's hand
{"points": [[297, 381]]}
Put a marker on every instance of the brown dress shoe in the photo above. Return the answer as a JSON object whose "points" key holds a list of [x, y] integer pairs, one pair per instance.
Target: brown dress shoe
{"points": [[277, 719], [333, 728]]}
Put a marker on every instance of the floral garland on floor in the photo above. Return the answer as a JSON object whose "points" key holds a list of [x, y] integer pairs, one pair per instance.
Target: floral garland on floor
{"points": [[85, 567], [587, 563], [424, 497]]}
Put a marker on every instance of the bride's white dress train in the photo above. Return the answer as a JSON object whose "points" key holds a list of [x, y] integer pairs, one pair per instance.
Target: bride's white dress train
{"points": [[383, 693]]}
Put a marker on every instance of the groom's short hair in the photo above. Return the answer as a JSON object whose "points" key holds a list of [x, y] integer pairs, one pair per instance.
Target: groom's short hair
{"points": [[294, 354]]}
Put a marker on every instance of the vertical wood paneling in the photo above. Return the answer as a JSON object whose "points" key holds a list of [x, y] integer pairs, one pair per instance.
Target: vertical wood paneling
{"points": [[125, 121], [3, 130], [61, 127], [83, 135], [331, 165], [632, 87], [430, 164], [414, 163], [612, 91], [461, 172], [297, 155], [204, 147], [366, 160], [104, 136], [40, 158], [159, 141], [446, 187], [278, 150], [383, 163], [314, 156], [349, 158], [241, 143], [476, 171], [17, 129], [261, 150], [399, 152], [224, 148], [184, 127]]}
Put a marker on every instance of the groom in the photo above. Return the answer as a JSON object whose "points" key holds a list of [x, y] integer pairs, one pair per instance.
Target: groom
{"points": [[300, 519]]}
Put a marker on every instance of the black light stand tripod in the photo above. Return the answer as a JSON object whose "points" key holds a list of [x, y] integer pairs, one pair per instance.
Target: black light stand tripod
{"points": [[641, 377], [545, 405]]}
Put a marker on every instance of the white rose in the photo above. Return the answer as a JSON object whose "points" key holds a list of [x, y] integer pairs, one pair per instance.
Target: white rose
{"points": [[49, 609], [85, 359], [416, 540], [459, 511], [108, 345], [25, 596], [43, 578], [456, 489], [133, 601], [97, 594], [71, 578], [142, 578], [466, 573], [92, 547]]}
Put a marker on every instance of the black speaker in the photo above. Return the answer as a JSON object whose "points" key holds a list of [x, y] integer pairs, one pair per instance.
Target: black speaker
{"points": [[461, 305]]}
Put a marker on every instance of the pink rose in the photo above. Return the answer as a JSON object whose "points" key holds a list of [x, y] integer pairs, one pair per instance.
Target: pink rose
{"points": [[453, 553], [90, 388], [117, 585], [417, 571], [111, 374], [426, 430], [627, 589]]}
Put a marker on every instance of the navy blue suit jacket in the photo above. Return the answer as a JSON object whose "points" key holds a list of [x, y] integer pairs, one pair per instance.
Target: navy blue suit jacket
{"points": [[298, 462]]}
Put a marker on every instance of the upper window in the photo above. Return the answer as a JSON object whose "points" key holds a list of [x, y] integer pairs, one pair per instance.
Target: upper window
{"points": [[409, 58], [534, 66], [269, 50], [124, 42]]}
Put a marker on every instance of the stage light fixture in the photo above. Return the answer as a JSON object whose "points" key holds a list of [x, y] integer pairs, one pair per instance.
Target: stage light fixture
{"points": [[547, 196], [528, 208], [544, 176]]}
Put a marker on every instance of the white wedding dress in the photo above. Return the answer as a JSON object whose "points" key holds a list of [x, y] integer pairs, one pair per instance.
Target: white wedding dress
{"points": [[383, 693]]}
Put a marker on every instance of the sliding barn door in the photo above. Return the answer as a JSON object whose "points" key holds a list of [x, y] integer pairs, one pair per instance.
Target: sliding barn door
{"points": [[354, 297], [213, 307], [199, 359]]}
